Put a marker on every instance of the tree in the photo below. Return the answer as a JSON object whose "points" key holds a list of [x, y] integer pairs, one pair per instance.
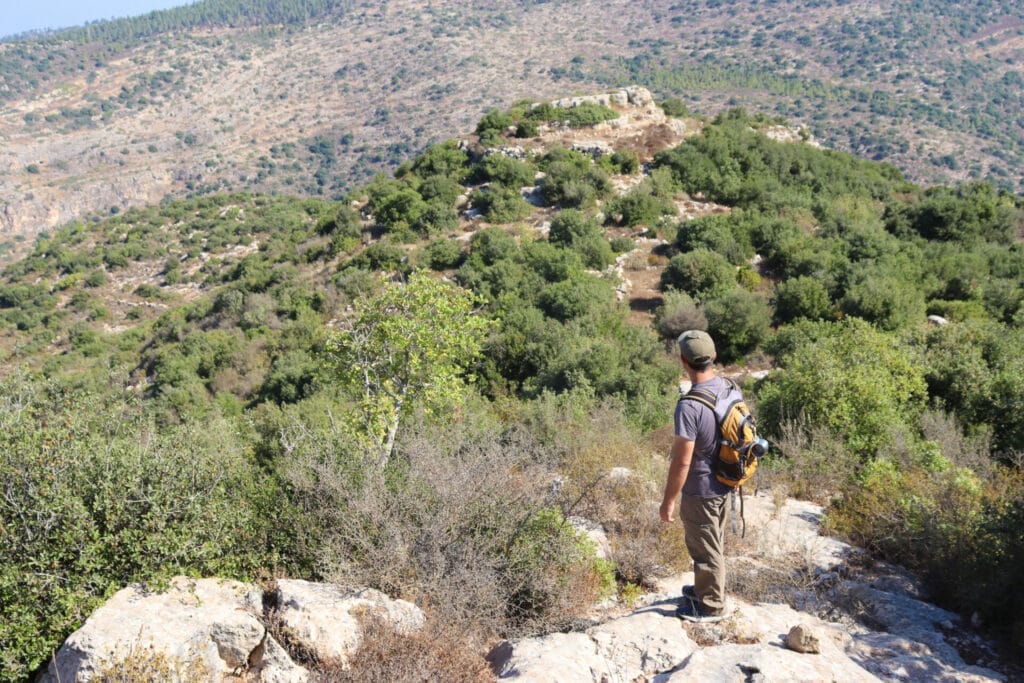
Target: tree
{"points": [[408, 343]]}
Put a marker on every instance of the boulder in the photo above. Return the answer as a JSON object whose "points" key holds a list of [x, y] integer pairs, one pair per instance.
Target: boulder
{"points": [[634, 647], [209, 623], [325, 617]]}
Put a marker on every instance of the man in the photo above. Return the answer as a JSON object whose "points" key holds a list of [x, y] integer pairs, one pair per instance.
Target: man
{"points": [[704, 498]]}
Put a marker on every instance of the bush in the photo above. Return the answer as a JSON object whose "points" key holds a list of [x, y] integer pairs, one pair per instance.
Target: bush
{"points": [[738, 321], [576, 297], [443, 254], [801, 297], [853, 379], [640, 206], [490, 245], [677, 314], [115, 513], [574, 230], [572, 180], [700, 273], [500, 204], [498, 168]]}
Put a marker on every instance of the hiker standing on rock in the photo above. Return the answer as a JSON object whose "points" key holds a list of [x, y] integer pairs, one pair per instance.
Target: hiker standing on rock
{"points": [[703, 507]]}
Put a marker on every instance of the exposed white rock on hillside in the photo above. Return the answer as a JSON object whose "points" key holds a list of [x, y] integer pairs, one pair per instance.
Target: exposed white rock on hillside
{"points": [[910, 640], [218, 628]]}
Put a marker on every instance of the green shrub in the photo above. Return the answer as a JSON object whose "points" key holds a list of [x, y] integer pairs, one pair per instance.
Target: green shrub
{"points": [[500, 204], [490, 245], [674, 106], [677, 314], [572, 180], [738, 321], [801, 297], [442, 254], [640, 206], [700, 273], [852, 379], [574, 230], [115, 513], [576, 297], [498, 168]]}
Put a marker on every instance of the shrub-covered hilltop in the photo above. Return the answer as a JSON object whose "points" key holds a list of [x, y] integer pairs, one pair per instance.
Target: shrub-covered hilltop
{"points": [[415, 389]]}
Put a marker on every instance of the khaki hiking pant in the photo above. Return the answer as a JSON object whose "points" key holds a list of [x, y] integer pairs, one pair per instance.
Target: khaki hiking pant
{"points": [[704, 525]]}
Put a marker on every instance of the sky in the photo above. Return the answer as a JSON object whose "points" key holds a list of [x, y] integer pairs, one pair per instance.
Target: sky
{"points": [[18, 16]]}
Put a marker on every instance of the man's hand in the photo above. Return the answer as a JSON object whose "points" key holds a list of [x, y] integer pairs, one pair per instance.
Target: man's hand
{"points": [[668, 507]]}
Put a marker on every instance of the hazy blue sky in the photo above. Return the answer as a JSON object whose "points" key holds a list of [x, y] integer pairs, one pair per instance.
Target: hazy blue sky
{"points": [[17, 16]]}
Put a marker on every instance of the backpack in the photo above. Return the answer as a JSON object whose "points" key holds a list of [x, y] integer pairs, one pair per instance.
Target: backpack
{"points": [[739, 446]]}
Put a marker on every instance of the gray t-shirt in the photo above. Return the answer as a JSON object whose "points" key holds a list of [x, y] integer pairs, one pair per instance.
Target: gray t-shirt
{"points": [[696, 422]]}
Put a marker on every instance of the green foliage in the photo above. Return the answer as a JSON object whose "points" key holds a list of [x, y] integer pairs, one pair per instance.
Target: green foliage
{"points": [[851, 379], [408, 344], [492, 127], [674, 106], [574, 230], [572, 179], [677, 314], [738, 321], [490, 245], [498, 168], [887, 300], [801, 297], [500, 204], [700, 273], [445, 160], [623, 161], [640, 206], [442, 254], [729, 235], [733, 164], [577, 297], [115, 512], [965, 214], [579, 116]]}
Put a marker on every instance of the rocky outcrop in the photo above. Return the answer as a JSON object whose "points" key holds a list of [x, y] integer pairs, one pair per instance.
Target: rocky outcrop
{"points": [[909, 639], [220, 627], [325, 617]]}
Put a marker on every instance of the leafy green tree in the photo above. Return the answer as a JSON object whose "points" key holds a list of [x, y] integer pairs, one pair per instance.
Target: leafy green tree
{"points": [[442, 254], [445, 159], [410, 343]]}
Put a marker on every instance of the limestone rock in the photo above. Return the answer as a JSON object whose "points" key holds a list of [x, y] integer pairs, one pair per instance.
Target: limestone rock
{"points": [[207, 621], [637, 646], [802, 638], [326, 617]]}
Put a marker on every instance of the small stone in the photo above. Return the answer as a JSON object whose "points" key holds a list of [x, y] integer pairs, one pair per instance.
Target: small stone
{"points": [[802, 638]]}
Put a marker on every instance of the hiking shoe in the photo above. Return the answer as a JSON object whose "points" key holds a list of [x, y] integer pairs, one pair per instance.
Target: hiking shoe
{"points": [[691, 610], [689, 592]]}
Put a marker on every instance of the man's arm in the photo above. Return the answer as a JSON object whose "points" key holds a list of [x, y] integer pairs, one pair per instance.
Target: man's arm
{"points": [[682, 454]]}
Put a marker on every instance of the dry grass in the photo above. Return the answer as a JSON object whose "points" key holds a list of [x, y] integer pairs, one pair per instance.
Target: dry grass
{"points": [[146, 664], [435, 653]]}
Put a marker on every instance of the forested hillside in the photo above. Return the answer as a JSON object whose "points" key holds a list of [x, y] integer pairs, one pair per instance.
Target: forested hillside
{"points": [[249, 386], [312, 97]]}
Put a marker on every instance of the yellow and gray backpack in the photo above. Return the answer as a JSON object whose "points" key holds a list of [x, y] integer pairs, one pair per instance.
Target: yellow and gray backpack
{"points": [[739, 448]]}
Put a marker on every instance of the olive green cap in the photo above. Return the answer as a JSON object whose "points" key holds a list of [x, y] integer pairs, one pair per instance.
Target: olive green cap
{"points": [[697, 347]]}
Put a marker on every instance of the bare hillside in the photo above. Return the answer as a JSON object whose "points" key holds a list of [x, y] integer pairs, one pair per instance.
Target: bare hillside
{"points": [[315, 109]]}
